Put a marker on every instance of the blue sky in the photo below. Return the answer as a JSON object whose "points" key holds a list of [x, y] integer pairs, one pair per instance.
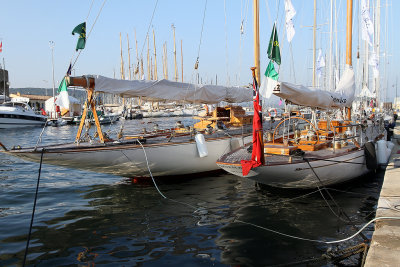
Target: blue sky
{"points": [[28, 26]]}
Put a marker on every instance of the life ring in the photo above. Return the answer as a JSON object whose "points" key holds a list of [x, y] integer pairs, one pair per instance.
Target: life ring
{"points": [[275, 113]]}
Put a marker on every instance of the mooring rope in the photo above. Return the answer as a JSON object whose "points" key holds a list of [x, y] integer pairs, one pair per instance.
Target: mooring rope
{"points": [[34, 207], [337, 205]]}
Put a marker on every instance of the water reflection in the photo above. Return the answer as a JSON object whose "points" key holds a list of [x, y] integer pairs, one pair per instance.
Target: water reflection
{"points": [[84, 218]]}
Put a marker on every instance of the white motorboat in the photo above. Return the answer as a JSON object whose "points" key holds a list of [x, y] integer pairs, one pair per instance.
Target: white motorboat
{"points": [[15, 114]]}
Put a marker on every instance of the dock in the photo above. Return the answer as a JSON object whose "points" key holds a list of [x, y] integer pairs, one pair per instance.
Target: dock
{"points": [[385, 244]]}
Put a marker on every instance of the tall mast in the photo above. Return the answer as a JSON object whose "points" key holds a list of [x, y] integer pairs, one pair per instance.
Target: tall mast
{"points": [[155, 57], [122, 60], [148, 58], [181, 60], [330, 75], [349, 30], [166, 60], [314, 43], [256, 21], [129, 58], [377, 45], [176, 68], [137, 57]]}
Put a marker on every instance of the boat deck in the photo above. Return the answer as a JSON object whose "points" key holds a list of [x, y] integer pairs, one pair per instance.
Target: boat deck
{"points": [[243, 153], [148, 139]]}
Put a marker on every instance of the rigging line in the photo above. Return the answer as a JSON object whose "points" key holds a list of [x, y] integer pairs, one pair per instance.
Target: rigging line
{"points": [[40, 136], [87, 36], [320, 191], [148, 29], [316, 240], [202, 27], [90, 9], [268, 12], [331, 197], [155, 184], [226, 46], [34, 208]]}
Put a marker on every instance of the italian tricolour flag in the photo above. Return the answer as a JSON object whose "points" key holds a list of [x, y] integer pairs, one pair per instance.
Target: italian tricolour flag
{"points": [[269, 81], [62, 99]]}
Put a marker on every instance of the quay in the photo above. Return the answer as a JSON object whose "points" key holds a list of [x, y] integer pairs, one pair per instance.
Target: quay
{"points": [[385, 244]]}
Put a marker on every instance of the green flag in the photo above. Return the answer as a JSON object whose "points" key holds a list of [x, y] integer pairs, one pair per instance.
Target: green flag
{"points": [[81, 30], [273, 47], [270, 72]]}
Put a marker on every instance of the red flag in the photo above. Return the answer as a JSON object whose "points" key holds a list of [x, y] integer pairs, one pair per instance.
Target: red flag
{"points": [[257, 155], [1, 47]]}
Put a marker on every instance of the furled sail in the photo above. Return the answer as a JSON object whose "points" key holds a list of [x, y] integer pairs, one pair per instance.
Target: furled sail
{"points": [[314, 97], [165, 90]]}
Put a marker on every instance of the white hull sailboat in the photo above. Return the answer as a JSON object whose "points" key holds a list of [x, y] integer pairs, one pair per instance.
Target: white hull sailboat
{"points": [[329, 152], [130, 159], [330, 167], [179, 151]]}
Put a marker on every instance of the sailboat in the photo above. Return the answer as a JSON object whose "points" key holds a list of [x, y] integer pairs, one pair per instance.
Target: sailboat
{"points": [[300, 153], [170, 152]]}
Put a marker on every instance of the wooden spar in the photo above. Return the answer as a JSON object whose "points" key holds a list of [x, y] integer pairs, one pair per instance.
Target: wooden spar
{"points": [[166, 61], [129, 58], [122, 60], [155, 57], [148, 58], [349, 30], [176, 68], [163, 61], [137, 59], [256, 39], [88, 83], [181, 60]]}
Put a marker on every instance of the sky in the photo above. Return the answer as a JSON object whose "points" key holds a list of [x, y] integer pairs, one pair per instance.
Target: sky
{"points": [[28, 26]]}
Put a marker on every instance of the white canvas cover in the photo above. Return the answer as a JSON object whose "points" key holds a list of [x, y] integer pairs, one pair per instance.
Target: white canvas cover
{"points": [[314, 97], [173, 91]]}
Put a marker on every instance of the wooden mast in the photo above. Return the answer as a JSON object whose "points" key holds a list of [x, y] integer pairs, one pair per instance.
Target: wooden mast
{"points": [[137, 59], [256, 38], [122, 60], [349, 30], [181, 61], [166, 61], [148, 58], [129, 58], [155, 57], [176, 68]]}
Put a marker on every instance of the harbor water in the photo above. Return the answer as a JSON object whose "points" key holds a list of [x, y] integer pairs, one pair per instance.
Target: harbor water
{"points": [[85, 218]]}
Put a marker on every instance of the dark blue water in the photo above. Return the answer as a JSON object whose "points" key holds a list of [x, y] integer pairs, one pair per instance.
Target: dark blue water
{"points": [[84, 218]]}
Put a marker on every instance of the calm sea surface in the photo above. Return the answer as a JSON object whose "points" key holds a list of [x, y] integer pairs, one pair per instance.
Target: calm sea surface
{"points": [[84, 218]]}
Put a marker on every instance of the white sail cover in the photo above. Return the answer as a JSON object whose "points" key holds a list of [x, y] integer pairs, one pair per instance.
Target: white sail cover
{"points": [[314, 97], [164, 90]]}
